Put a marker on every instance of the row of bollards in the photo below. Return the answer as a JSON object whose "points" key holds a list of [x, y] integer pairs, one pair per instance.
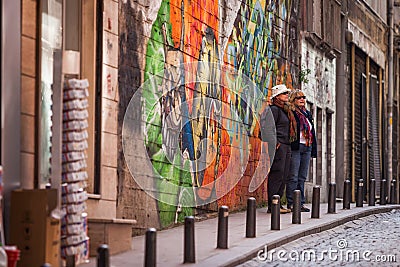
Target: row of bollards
{"points": [[223, 215], [222, 233], [371, 193]]}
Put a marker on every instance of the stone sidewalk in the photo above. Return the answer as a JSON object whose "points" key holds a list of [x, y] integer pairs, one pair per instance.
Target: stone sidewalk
{"points": [[240, 248], [369, 241]]}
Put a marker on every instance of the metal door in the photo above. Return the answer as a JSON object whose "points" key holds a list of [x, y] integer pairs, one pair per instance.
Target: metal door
{"points": [[373, 132]]}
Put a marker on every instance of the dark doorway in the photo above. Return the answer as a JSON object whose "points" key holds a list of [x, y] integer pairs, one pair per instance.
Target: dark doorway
{"points": [[311, 168], [329, 154], [319, 143]]}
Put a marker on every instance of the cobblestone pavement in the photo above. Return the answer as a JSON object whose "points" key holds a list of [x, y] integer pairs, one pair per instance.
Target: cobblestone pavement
{"points": [[369, 241]]}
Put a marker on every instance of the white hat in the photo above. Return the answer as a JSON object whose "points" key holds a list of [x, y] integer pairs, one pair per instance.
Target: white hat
{"points": [[279, 89]]}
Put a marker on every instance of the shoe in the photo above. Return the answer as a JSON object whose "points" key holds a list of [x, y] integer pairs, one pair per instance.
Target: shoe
{"points": [[283, 210], [290, 207], [304, 209]]}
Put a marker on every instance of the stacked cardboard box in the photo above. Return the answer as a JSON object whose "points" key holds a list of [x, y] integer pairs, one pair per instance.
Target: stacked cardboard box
{"points": [[33, 227], [74, 238]]}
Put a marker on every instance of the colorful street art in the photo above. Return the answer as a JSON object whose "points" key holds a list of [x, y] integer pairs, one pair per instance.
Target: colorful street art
{"points": [[190, 32]]}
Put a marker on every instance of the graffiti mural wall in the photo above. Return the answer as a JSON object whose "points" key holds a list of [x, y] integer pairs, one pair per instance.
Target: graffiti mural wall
{"points": [[191, 134]]}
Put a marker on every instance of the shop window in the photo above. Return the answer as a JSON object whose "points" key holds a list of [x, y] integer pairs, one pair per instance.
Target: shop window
{"points": [[78, 33], [50, 44], [83, 32]]}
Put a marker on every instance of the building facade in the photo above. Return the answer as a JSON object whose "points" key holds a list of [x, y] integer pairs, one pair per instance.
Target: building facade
{"points": [[44, 43], [320, 47], [368, 83], [338, 52]]}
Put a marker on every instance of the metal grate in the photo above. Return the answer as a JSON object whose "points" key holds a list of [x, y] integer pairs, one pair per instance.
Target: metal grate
{"points": [[373, 133], [359, 117]]}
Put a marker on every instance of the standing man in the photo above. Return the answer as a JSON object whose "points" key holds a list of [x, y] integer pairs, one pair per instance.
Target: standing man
{"points": [[285, 125]]}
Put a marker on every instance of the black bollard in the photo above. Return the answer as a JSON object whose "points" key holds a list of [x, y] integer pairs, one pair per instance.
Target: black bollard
{"points": [[315, 202], [251, 217], [150, 254], [346, 194], [70, 261], [103, 256], [188, 246], [371, 193], [222, 237], [332, 198], [382, 197], [393, 191], [296, 212], [360, 192], [276, 213]]}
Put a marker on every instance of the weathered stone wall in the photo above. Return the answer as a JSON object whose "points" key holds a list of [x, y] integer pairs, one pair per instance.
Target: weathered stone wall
{"points": [[369, 32], [321, 93]]}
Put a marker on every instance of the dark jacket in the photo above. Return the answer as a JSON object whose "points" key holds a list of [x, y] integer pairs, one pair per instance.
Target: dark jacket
{"points": [[282, 125], [296, 144], [267, 128]]}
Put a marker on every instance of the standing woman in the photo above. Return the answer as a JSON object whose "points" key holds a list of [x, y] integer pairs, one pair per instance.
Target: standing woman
{"points": [[303, 148], [285, 125]]}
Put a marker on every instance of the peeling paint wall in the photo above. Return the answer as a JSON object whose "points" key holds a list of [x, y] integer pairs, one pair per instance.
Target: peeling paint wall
{"points": [[257, 38], [321, 93]]}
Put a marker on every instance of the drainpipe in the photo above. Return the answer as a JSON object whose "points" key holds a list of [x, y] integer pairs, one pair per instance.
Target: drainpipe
{"points": [[390, 94], [10, 103]]}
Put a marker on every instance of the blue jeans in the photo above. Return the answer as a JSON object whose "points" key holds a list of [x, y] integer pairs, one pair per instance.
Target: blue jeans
{"points": [[299, 164]]}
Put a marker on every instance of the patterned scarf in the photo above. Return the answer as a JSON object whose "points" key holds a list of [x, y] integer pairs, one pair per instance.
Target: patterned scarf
{"points": [[304, 125], [293, 124]]}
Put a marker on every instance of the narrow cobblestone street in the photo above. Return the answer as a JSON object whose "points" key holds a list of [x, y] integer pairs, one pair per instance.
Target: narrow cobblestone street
{"points": [[369, 241]]}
